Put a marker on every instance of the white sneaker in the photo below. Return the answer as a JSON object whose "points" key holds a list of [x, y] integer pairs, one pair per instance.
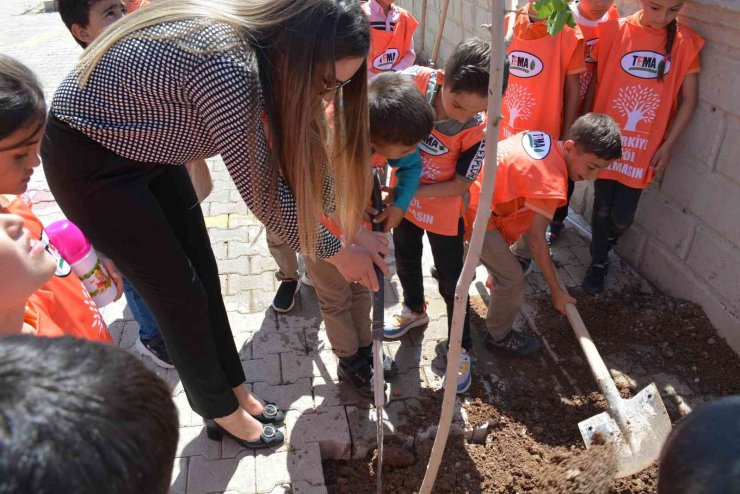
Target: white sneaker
{"points": [[306, 280], [404, 321]]}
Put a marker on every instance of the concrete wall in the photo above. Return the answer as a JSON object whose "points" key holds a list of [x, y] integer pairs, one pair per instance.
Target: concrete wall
{"points": [[686, 237]]}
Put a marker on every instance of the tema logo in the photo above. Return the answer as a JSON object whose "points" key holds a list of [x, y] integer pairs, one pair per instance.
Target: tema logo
{"points": [[536, 144], [643, 64], [385, 60], [523, 64], [432, 145]]}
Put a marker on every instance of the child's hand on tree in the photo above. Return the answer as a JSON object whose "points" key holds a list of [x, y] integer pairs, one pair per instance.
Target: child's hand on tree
{"points": [[661, 158], [392, 215]]}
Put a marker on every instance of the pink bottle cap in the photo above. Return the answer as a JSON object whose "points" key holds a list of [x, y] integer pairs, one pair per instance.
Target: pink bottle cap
{"points": [[69, 240]]}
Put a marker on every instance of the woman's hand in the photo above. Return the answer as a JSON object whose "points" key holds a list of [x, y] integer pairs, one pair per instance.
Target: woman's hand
{"points": [[114, 274], [355, 263]]}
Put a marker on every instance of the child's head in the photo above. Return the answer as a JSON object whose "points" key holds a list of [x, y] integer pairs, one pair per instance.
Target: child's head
{"points": [[465, 90], [662, 14], [78, 416], [702, 454], [86, 19], [400, 117], [22, 118], [594, 143], [24, 264], [594, 9]]}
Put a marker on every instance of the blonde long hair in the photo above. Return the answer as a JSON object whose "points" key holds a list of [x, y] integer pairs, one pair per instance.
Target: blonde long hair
{"points": [[296, 42]]}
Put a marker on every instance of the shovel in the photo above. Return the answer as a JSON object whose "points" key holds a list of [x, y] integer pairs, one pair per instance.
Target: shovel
{"points": [[636, 427]]}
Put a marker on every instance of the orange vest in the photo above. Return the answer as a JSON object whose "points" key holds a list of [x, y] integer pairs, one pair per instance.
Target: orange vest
{"points": [[439, 153], [134, 5], [537, 70], [629, 91], [62, 306], [590, 33], [387, 48], [531, 165]]}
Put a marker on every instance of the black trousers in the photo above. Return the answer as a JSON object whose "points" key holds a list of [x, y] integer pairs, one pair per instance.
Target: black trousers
{"points": [[615, 206], [146, 218], [562, 212], [448, 253]]}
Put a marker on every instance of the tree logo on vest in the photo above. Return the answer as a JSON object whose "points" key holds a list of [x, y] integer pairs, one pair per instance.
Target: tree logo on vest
{"points": [[638, 104], [643, 64], [429, 170], [536, 144], [432, 145], [523, 64], [519, 102], [387, 59]]}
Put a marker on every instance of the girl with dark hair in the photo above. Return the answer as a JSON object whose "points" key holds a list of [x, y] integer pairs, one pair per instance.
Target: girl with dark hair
{"points": [[644, 62], [187, 79]]}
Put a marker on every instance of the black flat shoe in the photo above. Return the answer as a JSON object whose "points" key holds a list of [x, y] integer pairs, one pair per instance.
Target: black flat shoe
{"points": [[271, 414], [270, 437]]}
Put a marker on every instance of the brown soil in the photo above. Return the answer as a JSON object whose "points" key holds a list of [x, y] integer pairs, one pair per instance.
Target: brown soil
{"points": [[532, 410]]}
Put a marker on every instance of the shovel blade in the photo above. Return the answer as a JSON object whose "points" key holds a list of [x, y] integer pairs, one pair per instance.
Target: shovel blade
{"points": [[648, 426]]}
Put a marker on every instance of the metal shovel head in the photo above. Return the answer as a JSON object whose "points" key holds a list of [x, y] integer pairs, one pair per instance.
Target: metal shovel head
{"points": [[648, 426]]}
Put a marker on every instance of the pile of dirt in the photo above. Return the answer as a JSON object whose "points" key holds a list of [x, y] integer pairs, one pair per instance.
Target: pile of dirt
{"points": [[533, 406]]}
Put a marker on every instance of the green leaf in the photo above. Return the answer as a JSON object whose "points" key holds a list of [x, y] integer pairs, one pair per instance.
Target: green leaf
{"points": [[543, 8], [570, 20], [557, 25]]}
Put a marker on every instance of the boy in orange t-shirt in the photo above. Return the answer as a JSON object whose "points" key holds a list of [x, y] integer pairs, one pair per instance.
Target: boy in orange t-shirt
{"points": [[392, 34], [531, 183], [41, 295]]}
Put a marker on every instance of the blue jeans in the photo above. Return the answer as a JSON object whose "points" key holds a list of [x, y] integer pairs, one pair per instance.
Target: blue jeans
{"points": [[148, 328]]}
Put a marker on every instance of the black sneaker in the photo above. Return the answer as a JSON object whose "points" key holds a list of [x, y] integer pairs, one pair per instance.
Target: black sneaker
{"points": [[554, 230], [357, 370], [285, 297], [390, 368], [593, 283], [515, 343], [155, 350], [434, 272]]}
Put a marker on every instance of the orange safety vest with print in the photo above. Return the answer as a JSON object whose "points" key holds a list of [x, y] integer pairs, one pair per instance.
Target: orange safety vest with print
{"points": [[628, 90], [531, 167], [537, 70], [590, 33], [387, 48], [62, 306], [439, 153]]}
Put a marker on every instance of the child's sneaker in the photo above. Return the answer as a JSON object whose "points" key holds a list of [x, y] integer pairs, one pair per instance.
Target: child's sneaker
{"points": [[464, 375], [390, 367], [595, 278], [357, 370], [404, 321], [285, 297], [554, 229], [154, 349], [515, 343]]}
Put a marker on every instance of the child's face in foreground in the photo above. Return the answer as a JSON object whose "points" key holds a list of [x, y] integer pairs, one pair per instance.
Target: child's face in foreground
{"points": [[393, 151], [659, 13], [594, 9], [582, 165], [102, 14], [24, 263], [19, 155], [462, 105]]}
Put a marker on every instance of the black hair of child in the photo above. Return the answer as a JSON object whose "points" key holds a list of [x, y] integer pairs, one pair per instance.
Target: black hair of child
{"points": [[399, 113], [75, 12], [83, 417], [702, 454], [598, 134], [468, 67], [21, 98]]}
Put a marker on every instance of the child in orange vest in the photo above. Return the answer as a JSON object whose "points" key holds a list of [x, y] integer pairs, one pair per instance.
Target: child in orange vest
{"points": [[643, 62], [589, 15], [399, 119], [452, 156], [531, 183], [392, 46], [41, 294]]}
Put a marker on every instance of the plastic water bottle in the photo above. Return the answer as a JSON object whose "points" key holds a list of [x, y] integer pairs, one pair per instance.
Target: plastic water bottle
{"points": [[76, 249]]}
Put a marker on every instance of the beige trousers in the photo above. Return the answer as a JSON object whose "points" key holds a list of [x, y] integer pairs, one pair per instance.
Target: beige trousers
{"points": [[285, 257], [508, 284], [345, 308]]}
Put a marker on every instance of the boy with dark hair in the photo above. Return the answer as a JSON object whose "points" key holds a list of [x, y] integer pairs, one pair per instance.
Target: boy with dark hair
{"points": [[399, 119], [531, 183], [86, 19], [69, 422], [452, 158]]}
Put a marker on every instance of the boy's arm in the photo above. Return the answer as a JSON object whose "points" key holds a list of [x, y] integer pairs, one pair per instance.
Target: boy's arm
{"points": [[570, 103], [541, 252], [408, 173], [689, 98], [468, 166]]}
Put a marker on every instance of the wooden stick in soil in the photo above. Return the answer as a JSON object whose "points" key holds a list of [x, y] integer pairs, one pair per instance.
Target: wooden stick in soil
{"points": [[498, 9], [440, 31], [423, 33]]}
